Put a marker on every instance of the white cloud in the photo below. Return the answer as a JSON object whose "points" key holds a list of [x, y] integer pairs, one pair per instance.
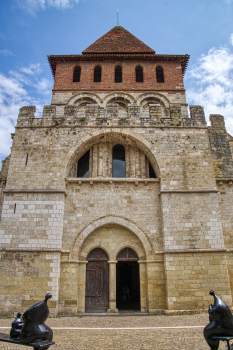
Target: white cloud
{"points": [[34, 5], [209, 83], [231, 39], [19, 88], [5, 52]]}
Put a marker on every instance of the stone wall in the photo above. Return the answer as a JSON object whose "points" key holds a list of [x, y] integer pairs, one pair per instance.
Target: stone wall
{"points": [[25, 279]]}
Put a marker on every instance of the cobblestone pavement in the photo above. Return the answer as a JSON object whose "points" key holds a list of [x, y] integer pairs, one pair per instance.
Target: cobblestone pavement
{"points": [[124, 333]]}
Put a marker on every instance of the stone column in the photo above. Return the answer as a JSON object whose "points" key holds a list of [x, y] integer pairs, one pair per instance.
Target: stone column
{"points": [[81, 286], [112, 287], [143, 286]]}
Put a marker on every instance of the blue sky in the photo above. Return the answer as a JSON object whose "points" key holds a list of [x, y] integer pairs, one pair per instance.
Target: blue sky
{"points": [[32, 29]]}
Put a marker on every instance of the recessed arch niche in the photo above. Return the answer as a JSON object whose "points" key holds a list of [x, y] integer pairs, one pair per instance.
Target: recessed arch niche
{"points": [[139, 161]]}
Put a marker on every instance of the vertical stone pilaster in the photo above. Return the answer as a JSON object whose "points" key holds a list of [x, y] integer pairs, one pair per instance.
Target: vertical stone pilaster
{"points": [[127, 161], [82, 286], [112, 287], [110, 160], [132, 162], [143, 286], [100, 160], [137, 163], [91, 163], [147, 169], [143, 165], [95, 158], [105, 159]]}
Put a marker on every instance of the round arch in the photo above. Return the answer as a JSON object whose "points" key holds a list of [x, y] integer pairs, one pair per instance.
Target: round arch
{"points": [[120, 95], [82, 96], [155, 95], [88, 141], [76, 247]]}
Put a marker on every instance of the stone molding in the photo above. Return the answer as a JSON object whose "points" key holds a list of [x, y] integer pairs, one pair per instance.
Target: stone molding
{"points": [[131, 226]]}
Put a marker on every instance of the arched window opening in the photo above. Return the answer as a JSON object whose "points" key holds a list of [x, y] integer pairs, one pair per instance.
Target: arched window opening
{"points": [[97, 254], [118, 74], [139, 74], [77, 73], [118, 161], [83, 165], [127, 254], [97, 74], [159, 75], [151, 172]]}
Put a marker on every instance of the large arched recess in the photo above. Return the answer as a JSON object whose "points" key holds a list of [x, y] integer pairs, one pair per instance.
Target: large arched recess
{"points": [[88, 141], [150, 95], [81, 236]]}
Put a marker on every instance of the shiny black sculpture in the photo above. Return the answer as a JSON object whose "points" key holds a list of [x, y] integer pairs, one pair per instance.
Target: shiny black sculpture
{"points": [[34, 329], [30, 330], [16, 326], [221, 322]]}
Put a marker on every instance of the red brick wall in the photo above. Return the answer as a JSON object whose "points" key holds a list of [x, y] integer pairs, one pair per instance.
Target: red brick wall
{"points": [[173, 78]]}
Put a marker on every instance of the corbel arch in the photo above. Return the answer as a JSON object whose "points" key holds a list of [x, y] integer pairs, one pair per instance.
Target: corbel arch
{"points": [[143, 97], [121, 95], [77, 244], [78, 98]]}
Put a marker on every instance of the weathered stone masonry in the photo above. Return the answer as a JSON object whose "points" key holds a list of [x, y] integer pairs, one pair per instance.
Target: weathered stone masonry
{"points": [[179, 222]]}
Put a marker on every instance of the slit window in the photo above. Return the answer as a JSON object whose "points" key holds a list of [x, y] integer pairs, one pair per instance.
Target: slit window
{"points": [[159, 75], [77, 74], [97, 74], [151, 172], [139, 74], [118, 74], [26, 159], [83, 165], [15, 208], [118, 161]]}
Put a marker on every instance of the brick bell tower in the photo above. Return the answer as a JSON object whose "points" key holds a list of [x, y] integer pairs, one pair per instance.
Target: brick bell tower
{"points": [[116, 185]]}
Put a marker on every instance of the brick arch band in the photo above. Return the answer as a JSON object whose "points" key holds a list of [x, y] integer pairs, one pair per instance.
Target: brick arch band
{"points": [[88, 141], [77, 244]]}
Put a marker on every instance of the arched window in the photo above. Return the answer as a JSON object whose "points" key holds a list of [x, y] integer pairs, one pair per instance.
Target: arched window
{"points": [[97, 74], [77, 73], [118, 74], [127, 254], [139, 74], [118, 161], [159, 74], [83, 165]]}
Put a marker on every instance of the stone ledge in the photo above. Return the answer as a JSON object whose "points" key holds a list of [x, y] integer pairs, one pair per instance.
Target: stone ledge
{"points": [[34, 191], [108, 179], [190, 191]]}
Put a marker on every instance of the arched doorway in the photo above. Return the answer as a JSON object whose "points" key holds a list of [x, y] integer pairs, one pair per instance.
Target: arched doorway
{"points": [[97, 281], [127, 280]]}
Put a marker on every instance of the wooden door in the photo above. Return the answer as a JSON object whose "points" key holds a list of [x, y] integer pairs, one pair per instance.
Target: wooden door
{"points": [[97, 286]]}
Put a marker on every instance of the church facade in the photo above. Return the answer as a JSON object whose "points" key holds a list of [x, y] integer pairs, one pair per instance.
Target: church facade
{"points": [[117, 187]]}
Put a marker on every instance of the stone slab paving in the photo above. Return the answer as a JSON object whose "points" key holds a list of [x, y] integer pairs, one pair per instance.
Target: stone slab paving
{"points": [[124, 333]]}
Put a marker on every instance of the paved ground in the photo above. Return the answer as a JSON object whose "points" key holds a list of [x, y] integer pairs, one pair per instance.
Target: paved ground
{"points": [[124, 333]]}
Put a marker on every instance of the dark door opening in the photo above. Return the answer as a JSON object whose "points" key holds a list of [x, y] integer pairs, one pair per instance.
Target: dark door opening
{"points": [[127, 275]]}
